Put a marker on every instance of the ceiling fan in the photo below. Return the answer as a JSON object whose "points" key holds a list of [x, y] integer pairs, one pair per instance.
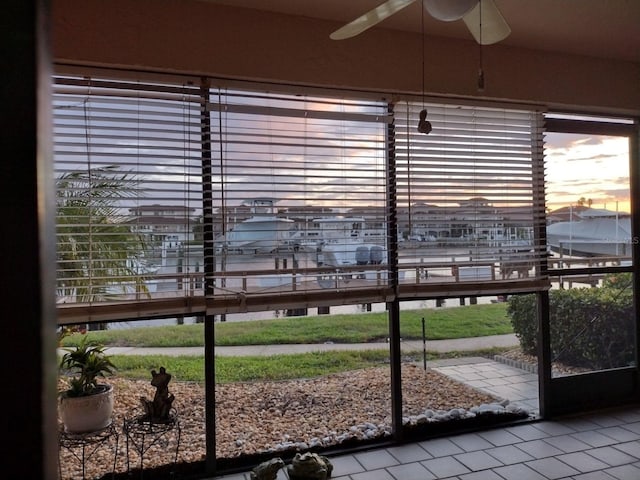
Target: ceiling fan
{"points": [[482, 18]]}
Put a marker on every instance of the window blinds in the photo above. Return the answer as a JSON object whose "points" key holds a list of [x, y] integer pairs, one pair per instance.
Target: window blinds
{"points": [[299, 186], [129, 191], [470, 193], [178, 200]]}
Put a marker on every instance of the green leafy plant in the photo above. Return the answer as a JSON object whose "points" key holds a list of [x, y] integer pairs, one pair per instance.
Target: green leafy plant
{"points": [[86, 363], [589, 327], [95, 250]]}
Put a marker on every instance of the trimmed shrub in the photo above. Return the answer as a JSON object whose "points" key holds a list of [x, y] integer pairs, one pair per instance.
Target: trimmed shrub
{"points": [[522, 312], [592, 328]]}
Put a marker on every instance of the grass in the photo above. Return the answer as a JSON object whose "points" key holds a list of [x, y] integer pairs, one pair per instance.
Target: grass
{"points": [[458, 322], [275, 367]]}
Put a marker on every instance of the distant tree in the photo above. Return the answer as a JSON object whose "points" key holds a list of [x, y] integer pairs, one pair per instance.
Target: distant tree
{"points": [[96, 253], [582, 201]]}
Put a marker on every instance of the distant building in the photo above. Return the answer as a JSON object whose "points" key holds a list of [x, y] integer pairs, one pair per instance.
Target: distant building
{"points": [[166, 226], [474, 219]]}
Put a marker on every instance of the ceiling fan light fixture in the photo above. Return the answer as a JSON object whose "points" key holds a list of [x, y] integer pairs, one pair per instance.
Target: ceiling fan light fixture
{"points": [[494, 26], [448, 10]]}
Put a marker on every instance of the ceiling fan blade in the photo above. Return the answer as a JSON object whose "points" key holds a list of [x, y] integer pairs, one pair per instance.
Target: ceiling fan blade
{"points": [[449, 10], [494, 26], [369, 19]]}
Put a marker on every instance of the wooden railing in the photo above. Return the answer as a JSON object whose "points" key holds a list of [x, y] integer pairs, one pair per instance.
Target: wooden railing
{"points": [[237, 291]]}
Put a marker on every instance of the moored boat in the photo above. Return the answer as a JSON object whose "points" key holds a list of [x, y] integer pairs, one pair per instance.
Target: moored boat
{"points": [[598, 232], [262, 232], [342, 241]]}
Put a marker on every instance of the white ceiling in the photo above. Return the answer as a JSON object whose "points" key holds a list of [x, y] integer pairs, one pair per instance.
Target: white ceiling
{"points": [[600, 28]]}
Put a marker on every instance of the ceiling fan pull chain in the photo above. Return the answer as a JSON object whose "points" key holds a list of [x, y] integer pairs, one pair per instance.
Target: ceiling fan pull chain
{"points": [[423, 125], [481, 70]]}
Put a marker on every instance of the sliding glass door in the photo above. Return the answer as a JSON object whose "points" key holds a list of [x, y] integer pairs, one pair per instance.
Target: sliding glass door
{"points": [[592, 325]]}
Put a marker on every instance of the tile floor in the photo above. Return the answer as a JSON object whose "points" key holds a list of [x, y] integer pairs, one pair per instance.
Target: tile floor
{"points": [[597, 446]]}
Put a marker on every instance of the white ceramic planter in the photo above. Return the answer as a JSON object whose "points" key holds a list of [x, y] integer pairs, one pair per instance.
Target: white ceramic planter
{"points": [[86, 414]]}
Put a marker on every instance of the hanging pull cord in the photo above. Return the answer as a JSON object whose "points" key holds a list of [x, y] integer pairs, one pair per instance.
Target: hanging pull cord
{"points": [[423, 125], [480, 70]]}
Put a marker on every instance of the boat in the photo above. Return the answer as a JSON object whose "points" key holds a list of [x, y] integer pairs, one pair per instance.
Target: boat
{"points": [[262, 232], [597, 232], [351, 253], [342, 241], [337, 242]]}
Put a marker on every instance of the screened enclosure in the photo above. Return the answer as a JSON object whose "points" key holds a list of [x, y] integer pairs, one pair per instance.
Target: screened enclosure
{"points": [[208, 201]]}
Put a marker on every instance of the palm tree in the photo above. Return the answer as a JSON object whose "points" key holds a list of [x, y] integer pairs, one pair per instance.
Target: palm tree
{"points": [[96, 252]]}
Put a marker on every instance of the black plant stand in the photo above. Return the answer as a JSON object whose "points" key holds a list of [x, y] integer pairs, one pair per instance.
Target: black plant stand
{"points": [[83, 445], [142, 434]]}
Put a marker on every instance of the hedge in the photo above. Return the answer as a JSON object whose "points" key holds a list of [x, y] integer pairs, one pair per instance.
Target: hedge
{"points": [[592, 328]]}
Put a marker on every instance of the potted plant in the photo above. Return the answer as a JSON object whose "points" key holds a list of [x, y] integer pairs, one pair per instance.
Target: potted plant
{"points": [[86, 406]]}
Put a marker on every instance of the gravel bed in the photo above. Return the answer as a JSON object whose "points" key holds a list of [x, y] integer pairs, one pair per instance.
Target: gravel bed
{"points": [[261, 417]]}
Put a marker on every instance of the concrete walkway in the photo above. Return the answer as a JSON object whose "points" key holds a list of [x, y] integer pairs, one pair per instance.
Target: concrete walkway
{"points": [[439, 346]]}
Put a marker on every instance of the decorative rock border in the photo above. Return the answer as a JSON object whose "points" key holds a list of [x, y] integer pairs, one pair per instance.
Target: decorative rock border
{"points": [[516, 363]]}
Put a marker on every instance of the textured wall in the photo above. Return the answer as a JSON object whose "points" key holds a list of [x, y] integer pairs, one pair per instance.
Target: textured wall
{"points": [[203, 38]]}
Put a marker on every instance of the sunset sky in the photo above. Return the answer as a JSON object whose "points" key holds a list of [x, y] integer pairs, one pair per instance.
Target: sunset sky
{"points": [[593, 167]]}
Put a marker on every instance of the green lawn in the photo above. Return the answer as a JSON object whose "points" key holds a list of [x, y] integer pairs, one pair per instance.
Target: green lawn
{"points": [[455, 322], [443, 323]]}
